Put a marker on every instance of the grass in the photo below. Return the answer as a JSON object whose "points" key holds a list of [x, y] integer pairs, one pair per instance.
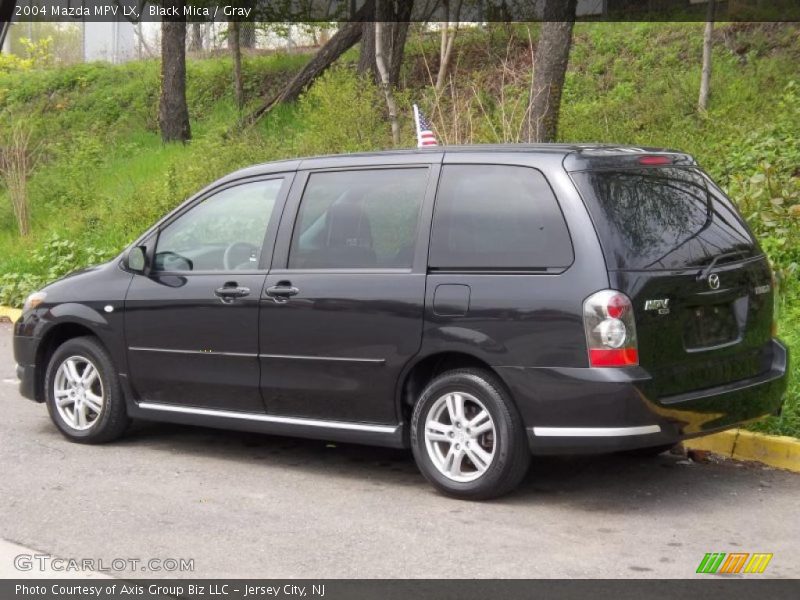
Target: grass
{"points": [[105, 175]]}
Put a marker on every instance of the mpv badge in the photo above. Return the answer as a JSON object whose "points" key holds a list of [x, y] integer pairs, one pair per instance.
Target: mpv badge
{"points": [[761, 289], [659, 304], [713, 281]]}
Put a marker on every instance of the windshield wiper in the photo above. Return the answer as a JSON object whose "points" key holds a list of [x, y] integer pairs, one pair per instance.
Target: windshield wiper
{"points": [[707, 270]]}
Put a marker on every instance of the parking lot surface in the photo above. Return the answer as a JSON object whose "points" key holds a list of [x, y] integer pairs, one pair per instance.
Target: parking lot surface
{"points": [[243, 505]]}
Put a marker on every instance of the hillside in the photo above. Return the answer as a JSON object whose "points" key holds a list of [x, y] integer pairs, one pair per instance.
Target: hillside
{"points": [[104, 175]]}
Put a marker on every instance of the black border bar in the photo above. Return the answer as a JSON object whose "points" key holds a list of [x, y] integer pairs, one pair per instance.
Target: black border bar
{"points": [[328, 11], [707, 588]]}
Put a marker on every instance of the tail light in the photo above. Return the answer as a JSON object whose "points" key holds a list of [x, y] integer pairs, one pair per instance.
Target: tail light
{"points": [[610, 330]]}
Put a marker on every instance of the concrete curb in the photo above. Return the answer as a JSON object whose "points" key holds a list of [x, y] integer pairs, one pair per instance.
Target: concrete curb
{"points": [[9, 314], [778, 451]]}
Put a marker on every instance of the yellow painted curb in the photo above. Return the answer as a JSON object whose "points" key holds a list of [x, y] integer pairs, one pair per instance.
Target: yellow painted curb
{"points": [[778, 451], [11, 314], [719, 443]]}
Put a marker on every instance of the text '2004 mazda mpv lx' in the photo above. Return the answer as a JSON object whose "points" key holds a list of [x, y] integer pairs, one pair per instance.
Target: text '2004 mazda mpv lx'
{"points": [[478, 304]]}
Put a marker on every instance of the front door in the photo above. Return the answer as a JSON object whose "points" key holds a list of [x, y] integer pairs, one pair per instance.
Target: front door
{"points": [[191, 324], [343, 306]]}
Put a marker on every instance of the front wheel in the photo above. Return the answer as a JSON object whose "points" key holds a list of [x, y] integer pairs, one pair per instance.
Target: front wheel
{"points": [[467, 436], [83, 394]]}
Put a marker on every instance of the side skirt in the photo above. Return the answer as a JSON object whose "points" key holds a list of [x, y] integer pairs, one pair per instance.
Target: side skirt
{"points": [[391, 436]]}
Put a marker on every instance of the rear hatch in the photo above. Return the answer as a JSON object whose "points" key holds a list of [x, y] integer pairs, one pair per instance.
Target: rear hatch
{"points": [[700, 286]]}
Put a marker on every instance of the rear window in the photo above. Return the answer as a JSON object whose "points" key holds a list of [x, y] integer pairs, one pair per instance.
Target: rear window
{"points": [[497, 217], [662, 218]]}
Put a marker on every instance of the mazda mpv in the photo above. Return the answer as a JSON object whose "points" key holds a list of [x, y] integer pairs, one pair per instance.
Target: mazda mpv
{"points": [[479, 305]]}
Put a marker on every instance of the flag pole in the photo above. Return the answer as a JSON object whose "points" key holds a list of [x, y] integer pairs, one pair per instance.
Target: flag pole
{"points": [[416, 125]]}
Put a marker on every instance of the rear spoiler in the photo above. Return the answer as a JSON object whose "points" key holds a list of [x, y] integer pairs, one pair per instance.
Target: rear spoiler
{"points": [[616, 158]]}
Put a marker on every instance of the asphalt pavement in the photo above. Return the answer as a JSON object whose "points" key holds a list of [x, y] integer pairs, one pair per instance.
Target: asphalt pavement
{"points": [[246, 505]]}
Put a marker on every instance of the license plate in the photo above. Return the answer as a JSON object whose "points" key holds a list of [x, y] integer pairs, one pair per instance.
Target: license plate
{"points": [[709, 325]]}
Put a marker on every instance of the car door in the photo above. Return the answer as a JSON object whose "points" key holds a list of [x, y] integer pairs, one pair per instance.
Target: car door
{"points": [[191, 322], [343, 305]]}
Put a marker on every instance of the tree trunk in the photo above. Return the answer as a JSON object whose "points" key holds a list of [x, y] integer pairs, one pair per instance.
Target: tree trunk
{"points": [[705, 77], [397, 48], [380, 63], [7, 9], [395, 33], [234, 37], [366, 52], [366, 55], [348, 36], [196, 37], [247, 34], [448, 40], [173, 113], [552, 57]]}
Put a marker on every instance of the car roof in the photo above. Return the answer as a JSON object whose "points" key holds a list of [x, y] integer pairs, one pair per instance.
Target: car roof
{"points": [[576, 156]]}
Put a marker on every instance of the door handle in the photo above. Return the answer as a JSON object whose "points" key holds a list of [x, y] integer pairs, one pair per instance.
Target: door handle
{"points": [[282, 292], [230, 291]]}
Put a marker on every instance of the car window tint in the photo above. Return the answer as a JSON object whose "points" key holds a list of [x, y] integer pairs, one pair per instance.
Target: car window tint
{"points": [[358, 219], [661, 218], [497, 217], [224, 232]]}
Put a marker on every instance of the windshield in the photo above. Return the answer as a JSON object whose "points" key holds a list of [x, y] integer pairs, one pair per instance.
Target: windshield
{"points": [[662, 218]]}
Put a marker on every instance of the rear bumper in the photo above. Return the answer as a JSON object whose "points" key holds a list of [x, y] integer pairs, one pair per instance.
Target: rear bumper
{"points": [[584, 410]]}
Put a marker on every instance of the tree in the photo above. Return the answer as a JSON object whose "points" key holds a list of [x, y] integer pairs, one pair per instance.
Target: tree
{"points": [[17, 159], [6, 14], [196, 37], [234, 43], [550, 68], [173, 113], [705, 77], [449, 30], [345, 38], [386, 86], [395, 16]]}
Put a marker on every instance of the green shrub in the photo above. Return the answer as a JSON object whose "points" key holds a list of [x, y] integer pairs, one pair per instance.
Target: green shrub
{"points": [[341, 113], [54, 259]]}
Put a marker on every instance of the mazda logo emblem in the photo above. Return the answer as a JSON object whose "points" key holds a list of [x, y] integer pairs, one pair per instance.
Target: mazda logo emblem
{"points": [[713, 281]]}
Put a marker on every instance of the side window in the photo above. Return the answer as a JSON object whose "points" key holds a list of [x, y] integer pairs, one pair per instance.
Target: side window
{"points": [[224, 232], [358, 219], [497, 217]]}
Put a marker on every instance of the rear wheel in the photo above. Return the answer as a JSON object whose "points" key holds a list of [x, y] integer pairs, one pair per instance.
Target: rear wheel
{"points": [[467, 437], [83, 394]]}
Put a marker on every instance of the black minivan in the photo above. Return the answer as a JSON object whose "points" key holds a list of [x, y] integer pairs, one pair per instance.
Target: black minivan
{"points": [[478, 304]]}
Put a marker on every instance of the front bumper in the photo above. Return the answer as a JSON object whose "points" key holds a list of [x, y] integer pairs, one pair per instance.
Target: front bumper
{"points": [[584, 410]]}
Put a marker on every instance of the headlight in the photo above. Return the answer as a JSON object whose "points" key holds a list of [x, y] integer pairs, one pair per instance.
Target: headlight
{"points": [[34, 300]]}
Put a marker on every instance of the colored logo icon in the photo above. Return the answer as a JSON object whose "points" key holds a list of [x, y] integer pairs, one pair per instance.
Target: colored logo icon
{"points": [[735, 562]]}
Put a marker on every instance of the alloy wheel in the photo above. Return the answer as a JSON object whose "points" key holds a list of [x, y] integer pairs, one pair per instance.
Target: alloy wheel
{"points": [[460, 436], [78, 392]]}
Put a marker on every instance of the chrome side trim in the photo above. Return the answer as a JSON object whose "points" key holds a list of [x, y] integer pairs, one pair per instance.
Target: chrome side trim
{"points": [[377, 361], [595, 431], [210, 412], [205, 352]]}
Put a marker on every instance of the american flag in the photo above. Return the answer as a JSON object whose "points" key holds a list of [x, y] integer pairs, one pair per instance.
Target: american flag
{"points": [[425, 136]]}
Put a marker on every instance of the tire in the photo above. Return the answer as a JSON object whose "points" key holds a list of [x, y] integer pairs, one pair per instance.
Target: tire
{"points": [[432, 444], [102, 416], [649, 451]]}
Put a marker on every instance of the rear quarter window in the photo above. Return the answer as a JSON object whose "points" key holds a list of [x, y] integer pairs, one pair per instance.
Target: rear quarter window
{"points": [[661, 218], [497, 217]]}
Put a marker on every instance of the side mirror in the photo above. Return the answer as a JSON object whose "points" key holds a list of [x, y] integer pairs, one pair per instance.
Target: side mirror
{"points": [[137, 259]]}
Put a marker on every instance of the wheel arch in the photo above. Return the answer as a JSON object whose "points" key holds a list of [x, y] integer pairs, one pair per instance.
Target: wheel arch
{"points": [[418, 373], [54, 337]]}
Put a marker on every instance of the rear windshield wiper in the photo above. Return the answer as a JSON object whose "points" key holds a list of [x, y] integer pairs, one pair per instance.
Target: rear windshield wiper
{"points": [[707, 270]]}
